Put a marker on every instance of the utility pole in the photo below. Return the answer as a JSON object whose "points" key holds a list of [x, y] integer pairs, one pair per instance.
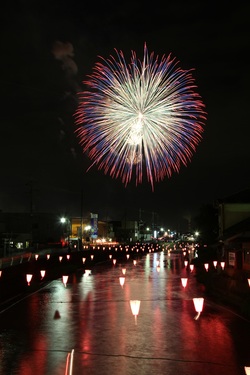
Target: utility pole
{"points": [[31, 191], [81, 217]]}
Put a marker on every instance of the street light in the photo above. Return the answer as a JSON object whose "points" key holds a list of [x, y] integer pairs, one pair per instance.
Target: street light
{"points": [[67, 229]]}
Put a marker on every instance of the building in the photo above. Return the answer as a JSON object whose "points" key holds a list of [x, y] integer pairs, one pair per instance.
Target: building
{"points": [[234, 229]]}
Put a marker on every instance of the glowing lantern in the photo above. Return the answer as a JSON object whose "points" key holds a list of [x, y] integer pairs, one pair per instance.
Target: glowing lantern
{"points": [[42, 272], [248, 281], [123, 271], [36, 256], [114, 261], [60, 258], [92, 256], [65, 280], [0, 273], [122, 281], [191, 267], [206, 265], [48, 256], [28, 278], [247, 370], [128, 256], [110, 256], [222, 265], [83, 260], [184, 282], [186, 263], [68, 256], [135, 307], [215, 263], [134, 262], [198, 305]]}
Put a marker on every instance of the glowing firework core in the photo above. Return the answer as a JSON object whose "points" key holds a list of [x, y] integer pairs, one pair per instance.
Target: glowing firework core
{"points": [[144, 117]]}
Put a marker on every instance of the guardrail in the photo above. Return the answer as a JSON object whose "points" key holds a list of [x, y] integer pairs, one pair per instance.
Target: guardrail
{"points": [[14, 260]]}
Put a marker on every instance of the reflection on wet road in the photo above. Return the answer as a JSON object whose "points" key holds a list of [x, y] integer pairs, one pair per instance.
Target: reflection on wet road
{"points": [[92, 315]]}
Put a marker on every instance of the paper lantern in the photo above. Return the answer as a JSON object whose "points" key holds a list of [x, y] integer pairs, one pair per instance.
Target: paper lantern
{"points": [[222, 264], [42, 272], [198, 305], [28, 278], [65, 280], [184, 282], [122, 280], [135, 307]]}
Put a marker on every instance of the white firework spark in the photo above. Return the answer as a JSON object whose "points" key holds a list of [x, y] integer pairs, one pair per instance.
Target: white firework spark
{"points": [[144, 117]]}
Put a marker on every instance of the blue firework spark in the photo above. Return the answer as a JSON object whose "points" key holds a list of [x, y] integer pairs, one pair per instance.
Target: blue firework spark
{"points": [[142, 118]]}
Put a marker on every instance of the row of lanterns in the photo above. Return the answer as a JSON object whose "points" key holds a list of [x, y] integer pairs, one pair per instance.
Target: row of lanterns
{"points": [[206, 265], [135, 304]]}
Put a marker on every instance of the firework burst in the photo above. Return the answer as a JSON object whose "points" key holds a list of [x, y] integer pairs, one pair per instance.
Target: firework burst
{"points": [[141, 118]]}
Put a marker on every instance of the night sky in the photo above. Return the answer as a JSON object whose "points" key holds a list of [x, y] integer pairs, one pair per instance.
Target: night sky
{"points": [[48, 49]]}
